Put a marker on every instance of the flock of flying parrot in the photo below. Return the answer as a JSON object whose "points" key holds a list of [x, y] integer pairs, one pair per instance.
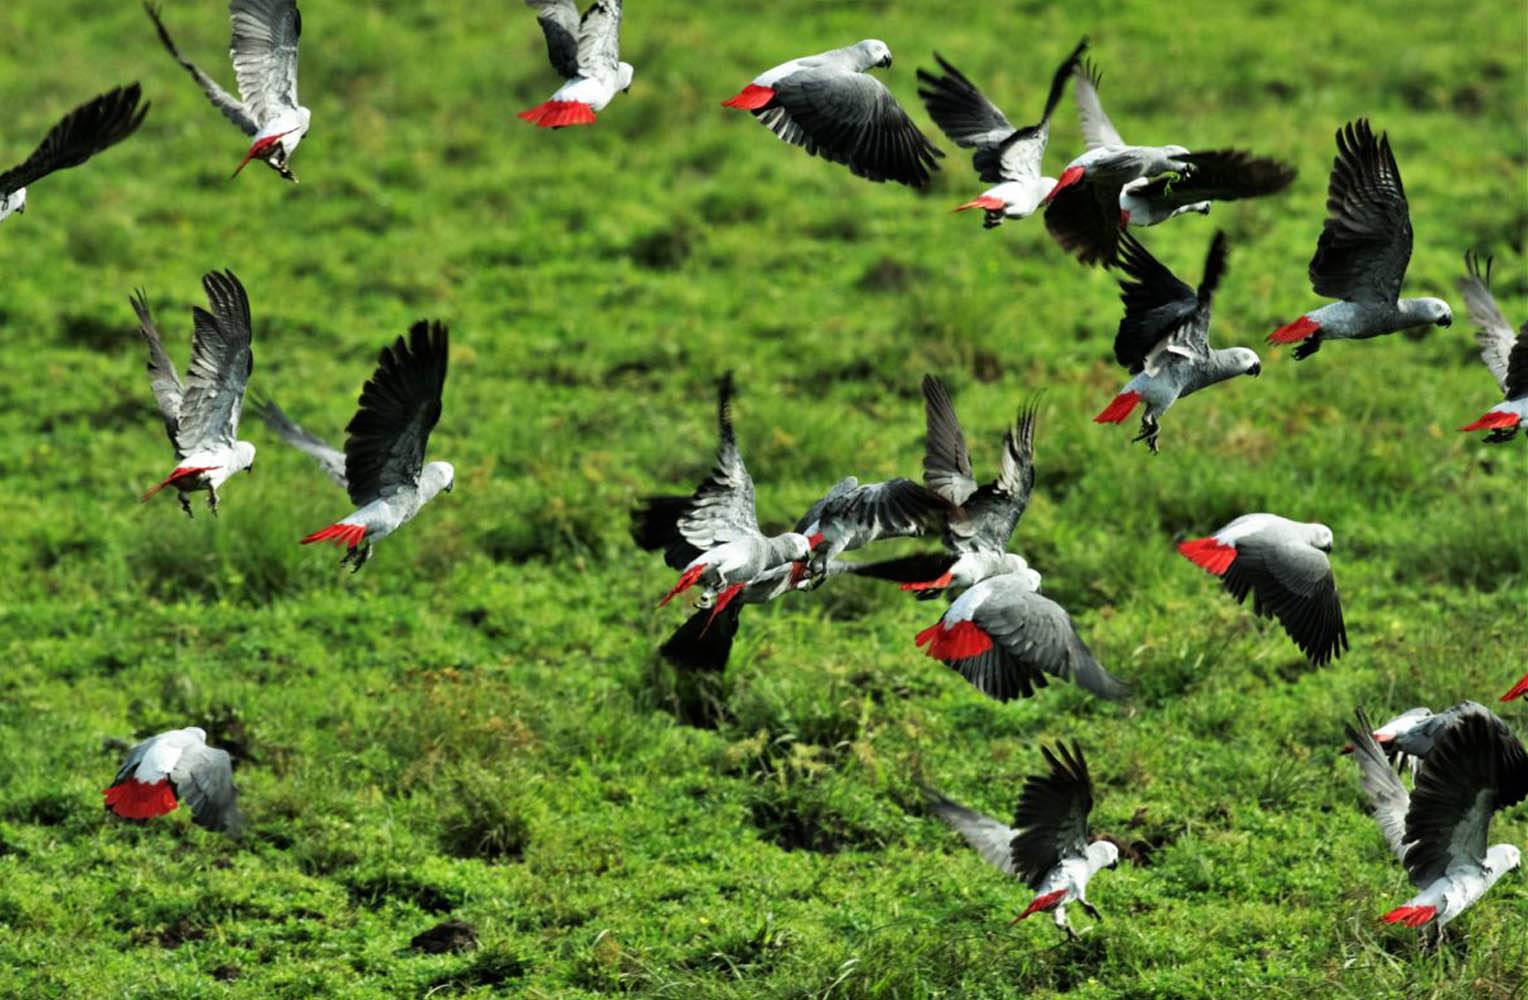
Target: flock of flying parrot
{"points": [[1000, 633]]}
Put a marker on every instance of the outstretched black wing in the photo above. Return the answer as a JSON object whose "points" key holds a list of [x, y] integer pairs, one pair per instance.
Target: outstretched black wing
{"points": [[400, 405], [87, 130]]}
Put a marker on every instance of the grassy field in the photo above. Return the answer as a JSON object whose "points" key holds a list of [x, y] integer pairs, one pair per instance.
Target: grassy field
{"points": [[476, 727]]}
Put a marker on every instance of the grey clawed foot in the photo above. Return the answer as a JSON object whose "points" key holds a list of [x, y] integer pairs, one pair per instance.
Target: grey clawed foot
{"points": [[1149, 431], [1307, 347], [185, 505], [1090, 910]]}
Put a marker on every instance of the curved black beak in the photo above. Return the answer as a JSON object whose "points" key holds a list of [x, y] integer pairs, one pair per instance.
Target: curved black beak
{"points": [[1446, 321]]}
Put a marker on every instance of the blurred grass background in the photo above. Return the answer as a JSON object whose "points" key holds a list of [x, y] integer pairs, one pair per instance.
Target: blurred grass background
{"points": [[476, 726]]}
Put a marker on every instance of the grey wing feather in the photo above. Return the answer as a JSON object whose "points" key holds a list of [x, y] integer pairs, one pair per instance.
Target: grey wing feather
{"points": [[1517, 367], [1495, 335], [220, 366], [1097, 129], [1365, 243], [162, 376], [898, 508], [221, 99], [96, 125], [1219, 175], [1084, 221], [1037, 634], [1477, 767], [1292, 581], [132, 760], [1158, 305], [993, 840], [559, 23], [946, 460], [264, 51], [722, 507], [400, 405], [965, 115], [599, 39], [203, 779], [850, 118], [1388, 800], [987, 519], [841, 489], [1053, 814], [329, 458]]}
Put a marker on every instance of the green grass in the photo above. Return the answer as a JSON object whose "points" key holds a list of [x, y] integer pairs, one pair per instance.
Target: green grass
{"points": [[476, 727]]}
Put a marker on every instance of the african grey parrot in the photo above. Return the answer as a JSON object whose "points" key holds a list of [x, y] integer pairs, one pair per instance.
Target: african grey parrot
{"points": [[1363, 251], [202, 416], [264, 53], [1113, 184], [1163, 339], [586, 52], [1409, 737], [1003, 636], [1008, 158], [1284, 564], [829, 105], [1439, 832], [978, 520], [94, 126], [383, 467], [1048, 845], [712, 536], [176, 765], [1506, 356]]}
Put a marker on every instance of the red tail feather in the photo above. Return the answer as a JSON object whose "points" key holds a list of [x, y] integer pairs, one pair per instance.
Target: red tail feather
{"points": [[348, 535], [1518, 690], [960, 641], [936, 584], [1411, 916], [1207, 553], [1291, 333], [1494, 420], [1044, 903], [260, 148], [1117, 411], [559, 114], [989, 202], [184, 472], [722, 600], [686, 581], [751, 98], [139, 800], [1069, 176]]}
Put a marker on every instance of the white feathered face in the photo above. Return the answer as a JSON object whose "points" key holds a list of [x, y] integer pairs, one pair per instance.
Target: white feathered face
{"points": [[16, 201], [243, 456], [1437, 311], [1321, 537], [1247, 360], [800, 546], [1103, 854], [1503, 858], [877, 53], [437, 477], [624, 72]]}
